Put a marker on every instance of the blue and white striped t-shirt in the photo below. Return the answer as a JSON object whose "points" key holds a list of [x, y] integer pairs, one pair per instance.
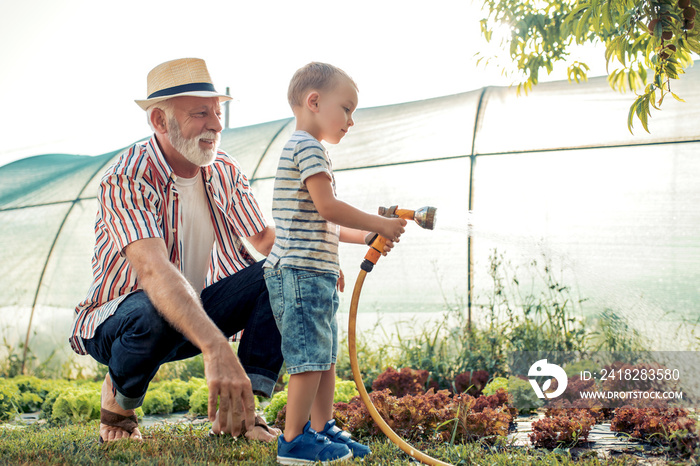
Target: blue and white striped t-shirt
{"points": [[304, 239]]}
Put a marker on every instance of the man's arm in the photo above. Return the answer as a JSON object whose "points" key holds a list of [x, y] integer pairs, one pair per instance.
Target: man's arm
{"points": [[263, 241], [176, 300]]}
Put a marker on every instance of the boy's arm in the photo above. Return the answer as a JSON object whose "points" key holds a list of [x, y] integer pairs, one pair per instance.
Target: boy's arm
{"points": [[343, 214], [352, 235]]}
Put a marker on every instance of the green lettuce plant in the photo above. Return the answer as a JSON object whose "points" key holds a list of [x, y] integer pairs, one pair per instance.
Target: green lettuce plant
{"points": [[199, 401], [496, 384], [179, 391], [8, 400], [77, 405], [157, 401], [278, 401], [523, 397]]}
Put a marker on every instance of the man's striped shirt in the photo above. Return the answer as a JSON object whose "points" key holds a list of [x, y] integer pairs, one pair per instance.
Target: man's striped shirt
{"points": [[304, 239], [138, 199]]}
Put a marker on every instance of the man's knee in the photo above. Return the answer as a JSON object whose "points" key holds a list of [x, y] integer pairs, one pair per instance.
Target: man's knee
{"points": [[139, 327]]}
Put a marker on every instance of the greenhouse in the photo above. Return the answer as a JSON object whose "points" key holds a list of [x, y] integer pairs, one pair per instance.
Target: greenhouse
{"points": [[547, 183]]}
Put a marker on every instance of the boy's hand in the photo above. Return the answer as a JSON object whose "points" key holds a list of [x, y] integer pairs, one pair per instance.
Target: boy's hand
{"points": [[392, 229], [341, 282], [388, 244]]}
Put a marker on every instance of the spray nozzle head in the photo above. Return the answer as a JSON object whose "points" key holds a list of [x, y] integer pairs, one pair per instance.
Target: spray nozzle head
{"points": [[425, 217]]}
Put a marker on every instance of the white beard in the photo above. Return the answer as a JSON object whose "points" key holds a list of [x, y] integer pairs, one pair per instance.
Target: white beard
{"points": [[189, 148]]}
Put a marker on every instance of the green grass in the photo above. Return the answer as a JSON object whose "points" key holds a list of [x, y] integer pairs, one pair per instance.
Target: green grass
{"points": [[515, 317], [189, 444]]}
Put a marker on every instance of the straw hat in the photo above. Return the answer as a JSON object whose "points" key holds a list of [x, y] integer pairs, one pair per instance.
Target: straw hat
{"points": [[184, 76]]}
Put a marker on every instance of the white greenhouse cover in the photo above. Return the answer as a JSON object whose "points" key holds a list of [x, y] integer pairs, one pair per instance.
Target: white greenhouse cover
{"points": [[551, 176]]}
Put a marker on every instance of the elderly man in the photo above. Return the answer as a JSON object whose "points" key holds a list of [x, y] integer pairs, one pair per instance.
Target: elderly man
{"points": [[171, 276]]}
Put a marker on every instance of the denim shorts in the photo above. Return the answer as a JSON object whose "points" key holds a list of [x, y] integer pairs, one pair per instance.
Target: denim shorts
{"points": [[304, 304]]}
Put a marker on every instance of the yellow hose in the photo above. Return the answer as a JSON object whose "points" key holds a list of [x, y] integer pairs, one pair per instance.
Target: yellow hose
{"points": [[352, 347]]}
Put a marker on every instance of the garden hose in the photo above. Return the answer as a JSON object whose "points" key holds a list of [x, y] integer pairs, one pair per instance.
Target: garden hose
{"points": [[352, 349]]}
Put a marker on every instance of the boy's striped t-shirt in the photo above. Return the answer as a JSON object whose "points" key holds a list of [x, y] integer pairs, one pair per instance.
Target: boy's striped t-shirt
{"points": [[304, 239]]}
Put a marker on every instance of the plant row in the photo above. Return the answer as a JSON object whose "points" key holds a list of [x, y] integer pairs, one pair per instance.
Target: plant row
{"points": [[61, 401], [478, 412], [419, 413]]}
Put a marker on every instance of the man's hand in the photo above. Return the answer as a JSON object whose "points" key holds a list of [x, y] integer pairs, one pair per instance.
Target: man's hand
{"points": [[263, 241], [179, 304], [230, 387]]}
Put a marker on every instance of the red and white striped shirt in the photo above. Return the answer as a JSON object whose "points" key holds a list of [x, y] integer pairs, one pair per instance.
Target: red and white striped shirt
{"points": [[138, 199]]}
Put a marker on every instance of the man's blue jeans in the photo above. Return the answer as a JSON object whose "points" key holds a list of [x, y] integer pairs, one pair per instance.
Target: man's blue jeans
{"points": [[137, 340]]}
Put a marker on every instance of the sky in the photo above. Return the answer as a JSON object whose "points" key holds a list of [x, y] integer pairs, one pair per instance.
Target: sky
{"points": [[71, 69]]}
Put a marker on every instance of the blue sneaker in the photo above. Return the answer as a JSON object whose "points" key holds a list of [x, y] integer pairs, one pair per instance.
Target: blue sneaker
{"points": [[343, 438], [310, 447]]}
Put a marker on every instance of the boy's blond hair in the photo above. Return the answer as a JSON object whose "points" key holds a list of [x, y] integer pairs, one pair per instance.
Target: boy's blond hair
{"points": [[314, 76]]}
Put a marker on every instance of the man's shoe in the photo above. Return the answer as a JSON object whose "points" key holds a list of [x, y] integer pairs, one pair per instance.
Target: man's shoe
{"points": [[336, 435], [310, 447]]}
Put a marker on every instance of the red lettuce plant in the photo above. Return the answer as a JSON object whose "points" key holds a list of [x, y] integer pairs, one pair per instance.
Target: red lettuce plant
{"points": [[568, 408], [472, 382], [485, 418], [414, 417], [400, 383], [562, 430], [571, 399], [430, 416], [667, 426]]}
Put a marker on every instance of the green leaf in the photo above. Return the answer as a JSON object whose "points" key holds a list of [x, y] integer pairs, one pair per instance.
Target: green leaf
{"points": [[621, 81], [594, 16], [620, 50], [693, 44], [677, 98], [632, 113], [643, 111], [583, 25], [638, 42], [643, 74], [608, 52], [607, 23], [652, 100], [631, 76], [661, 100], [572, 15]]}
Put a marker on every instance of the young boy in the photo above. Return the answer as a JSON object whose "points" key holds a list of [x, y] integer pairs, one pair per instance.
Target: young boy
{"points": [[302, 271]]}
